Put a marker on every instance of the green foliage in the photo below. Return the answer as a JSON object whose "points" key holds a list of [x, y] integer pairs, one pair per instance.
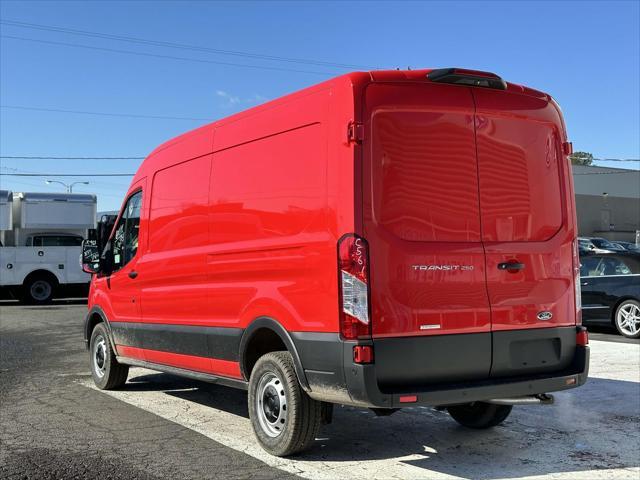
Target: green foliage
{"points": [[581, 158]]}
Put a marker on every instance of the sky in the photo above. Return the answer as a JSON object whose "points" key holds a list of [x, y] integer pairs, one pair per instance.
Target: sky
{"points": [[585, 54]]}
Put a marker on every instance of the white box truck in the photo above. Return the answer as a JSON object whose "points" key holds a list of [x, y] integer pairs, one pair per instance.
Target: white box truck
{"points": [[41, 236]]}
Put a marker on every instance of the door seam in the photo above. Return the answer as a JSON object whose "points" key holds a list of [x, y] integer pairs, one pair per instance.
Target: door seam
{"points": [[484, 250]]}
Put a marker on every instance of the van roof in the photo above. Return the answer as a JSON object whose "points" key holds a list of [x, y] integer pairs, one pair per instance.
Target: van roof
{"points": [[349, 80]]}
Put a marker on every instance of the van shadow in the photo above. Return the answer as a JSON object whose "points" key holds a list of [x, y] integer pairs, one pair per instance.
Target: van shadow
{"points": [[590, 428], [226, 399]]}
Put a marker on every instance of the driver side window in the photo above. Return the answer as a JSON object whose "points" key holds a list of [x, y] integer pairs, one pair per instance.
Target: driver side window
{"points": [[125, 237]]}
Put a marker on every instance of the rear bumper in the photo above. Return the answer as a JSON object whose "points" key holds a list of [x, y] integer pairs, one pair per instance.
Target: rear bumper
{"points": [[334, 377], [363, 386]]}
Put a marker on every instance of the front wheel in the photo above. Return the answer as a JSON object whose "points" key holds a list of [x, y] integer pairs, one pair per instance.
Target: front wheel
{"points": [[107, 373], [479, 414], [284, 418], [627, 319]]}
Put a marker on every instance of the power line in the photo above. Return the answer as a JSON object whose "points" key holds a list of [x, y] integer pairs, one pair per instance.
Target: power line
{"points": [[69, 158], [616, 160], [100, 194], [170, 57], [180, 46], [93, 181], [105, 114]]}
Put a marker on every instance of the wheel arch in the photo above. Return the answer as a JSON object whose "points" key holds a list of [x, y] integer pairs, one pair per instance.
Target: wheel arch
{"points": [[259, 330], [95, 316], [41, 272]]}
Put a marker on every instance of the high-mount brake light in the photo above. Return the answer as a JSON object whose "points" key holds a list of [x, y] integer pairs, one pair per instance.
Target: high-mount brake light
{"points": [[353, 281], [471, 78]]}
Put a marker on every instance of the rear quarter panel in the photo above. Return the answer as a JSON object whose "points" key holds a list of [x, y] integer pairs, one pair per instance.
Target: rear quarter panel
{"points": [[281, 194]]}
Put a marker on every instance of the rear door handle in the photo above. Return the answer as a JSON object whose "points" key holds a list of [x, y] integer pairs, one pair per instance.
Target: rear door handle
{"points": [[510, 266], [133, 274]]}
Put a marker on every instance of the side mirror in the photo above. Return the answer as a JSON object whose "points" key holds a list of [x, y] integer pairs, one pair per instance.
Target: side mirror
{"points": [[90, 256]]}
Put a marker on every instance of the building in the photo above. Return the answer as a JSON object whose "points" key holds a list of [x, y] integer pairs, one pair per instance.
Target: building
{"points": [[608, 202]]}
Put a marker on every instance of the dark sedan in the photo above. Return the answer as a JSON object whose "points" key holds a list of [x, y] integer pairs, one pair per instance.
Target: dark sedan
{"points": [[611, 291], [632, 247]]}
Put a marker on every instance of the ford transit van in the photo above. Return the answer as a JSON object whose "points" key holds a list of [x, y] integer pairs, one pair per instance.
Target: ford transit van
{"points": [[384, 239]]}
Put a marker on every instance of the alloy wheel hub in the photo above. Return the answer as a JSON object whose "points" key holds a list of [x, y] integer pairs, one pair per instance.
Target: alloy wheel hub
{"points": [[628, 319]]}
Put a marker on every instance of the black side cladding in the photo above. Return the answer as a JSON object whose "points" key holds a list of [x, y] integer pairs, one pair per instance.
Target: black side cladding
{"points": [[461, 77], [321, 355], [212, 342]]}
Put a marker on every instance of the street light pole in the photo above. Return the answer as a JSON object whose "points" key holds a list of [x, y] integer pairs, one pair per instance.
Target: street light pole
{"points": [[75, 183], [68, 186]]}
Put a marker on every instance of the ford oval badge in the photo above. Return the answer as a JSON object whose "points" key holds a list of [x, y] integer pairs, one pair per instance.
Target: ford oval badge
{"points": [[545, 315]]}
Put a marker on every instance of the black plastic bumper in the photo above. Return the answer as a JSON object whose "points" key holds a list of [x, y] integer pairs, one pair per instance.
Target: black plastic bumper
{"points": [[334, 377], [362, 385]]}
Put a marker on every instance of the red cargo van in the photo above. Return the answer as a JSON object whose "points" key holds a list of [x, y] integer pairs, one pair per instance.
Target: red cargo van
{"points": [[382, 239]]}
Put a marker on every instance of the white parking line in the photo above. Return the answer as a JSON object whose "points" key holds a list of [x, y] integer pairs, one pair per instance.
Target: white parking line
{"points": [[615, 361], [592, 432]]}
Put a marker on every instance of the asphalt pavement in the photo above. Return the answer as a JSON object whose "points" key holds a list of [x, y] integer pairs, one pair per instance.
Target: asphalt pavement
{"points": [[55, 424]]}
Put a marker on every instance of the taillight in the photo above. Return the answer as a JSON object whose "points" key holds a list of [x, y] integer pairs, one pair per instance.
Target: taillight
{"points": [[353, 271], [576, 282], [582, 337]]}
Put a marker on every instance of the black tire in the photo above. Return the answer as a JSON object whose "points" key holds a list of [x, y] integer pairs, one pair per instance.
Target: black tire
{"points": [[296, 417], [479, 414], [107, 373], [39, 289], [633, 307]]}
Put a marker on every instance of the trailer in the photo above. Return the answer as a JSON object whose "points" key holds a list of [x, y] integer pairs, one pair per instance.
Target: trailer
{"points": [[41, 237]]}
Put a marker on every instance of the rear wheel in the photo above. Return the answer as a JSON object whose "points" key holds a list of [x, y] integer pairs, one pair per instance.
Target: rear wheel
{"points": [[284, 418], [107, 373], [627, 319], [479, 414], [38, 289]]}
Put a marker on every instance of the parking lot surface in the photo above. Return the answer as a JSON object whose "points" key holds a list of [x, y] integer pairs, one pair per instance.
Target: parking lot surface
{"points": [[55, 424]]}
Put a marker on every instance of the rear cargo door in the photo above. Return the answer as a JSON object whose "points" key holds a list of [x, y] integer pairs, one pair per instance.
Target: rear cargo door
{"points": [[524, 208], [430, 311]]}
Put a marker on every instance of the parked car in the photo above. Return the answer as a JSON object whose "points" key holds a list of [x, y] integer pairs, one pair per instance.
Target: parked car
{"points": [[631, 247], [384, 239], [611, 291], [586, 247], [605, 245]]}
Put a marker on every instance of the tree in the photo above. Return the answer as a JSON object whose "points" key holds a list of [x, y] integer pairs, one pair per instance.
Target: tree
{"points": [[581, 158]]}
